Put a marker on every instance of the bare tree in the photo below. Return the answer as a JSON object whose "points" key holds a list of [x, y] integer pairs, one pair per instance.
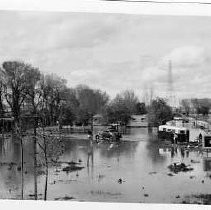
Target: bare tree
{"points": [[15, 85], [52, 88], [51, 148], [34, 99], [91, 102]]}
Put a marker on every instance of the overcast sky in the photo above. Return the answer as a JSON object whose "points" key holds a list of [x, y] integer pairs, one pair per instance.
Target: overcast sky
{"points": [[113, 52]]}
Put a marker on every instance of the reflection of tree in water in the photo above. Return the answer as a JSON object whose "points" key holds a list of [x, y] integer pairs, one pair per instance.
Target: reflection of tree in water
{"points": [[10, 152], [7, 150], [107, 150], [124, 148], [75, 147], [153, 146], [153, 152], [90, 157], [11, 178]]}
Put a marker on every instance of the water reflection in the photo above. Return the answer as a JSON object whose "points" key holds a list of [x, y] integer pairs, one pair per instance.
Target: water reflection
{"points": [[154, 153], [10, 173], [10, 152], [90, 157], [132, 159], [207, 164], [126, 149]]}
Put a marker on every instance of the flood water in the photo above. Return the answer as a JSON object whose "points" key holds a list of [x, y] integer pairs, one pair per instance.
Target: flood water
{"points": [[139, 161]]}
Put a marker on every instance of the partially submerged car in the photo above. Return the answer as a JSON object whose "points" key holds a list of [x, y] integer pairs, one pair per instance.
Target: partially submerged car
{"points": [[111, 134]]}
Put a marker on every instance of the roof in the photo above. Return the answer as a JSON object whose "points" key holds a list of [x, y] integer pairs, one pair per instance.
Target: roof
{"points": [[7, 119], [98, 115], [172, 127]]}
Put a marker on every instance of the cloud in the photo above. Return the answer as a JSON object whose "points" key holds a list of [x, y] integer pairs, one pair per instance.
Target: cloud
{"points": [[106, 50], [186, 57], [190, 72]]}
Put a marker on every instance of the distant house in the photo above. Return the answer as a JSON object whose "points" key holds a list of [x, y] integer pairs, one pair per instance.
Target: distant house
{"points": [[6, 124], [98, 119], [138, 121]]}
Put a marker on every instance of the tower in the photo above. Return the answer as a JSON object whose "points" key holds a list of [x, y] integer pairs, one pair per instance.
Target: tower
{"points": [[170, 87]]}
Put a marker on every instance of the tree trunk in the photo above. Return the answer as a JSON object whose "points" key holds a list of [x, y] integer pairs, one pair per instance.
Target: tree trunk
{"points": [[46, 177], [22, 168], [35, 158], [18, 135]]}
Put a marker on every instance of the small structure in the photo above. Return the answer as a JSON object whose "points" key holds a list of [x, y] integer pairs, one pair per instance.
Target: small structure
{"points": [[6, 124], [202, 124], [98, 119], [138, 121], [173, 133], [206, 141]]}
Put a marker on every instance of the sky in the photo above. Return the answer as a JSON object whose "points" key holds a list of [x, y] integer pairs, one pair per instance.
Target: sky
{"points": [[113, 52]]}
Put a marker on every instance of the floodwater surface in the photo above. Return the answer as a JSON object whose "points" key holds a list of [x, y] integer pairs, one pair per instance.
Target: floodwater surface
{"points": [[134, 170]]}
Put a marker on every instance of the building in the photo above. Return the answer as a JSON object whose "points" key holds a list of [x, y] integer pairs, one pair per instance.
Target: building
{"points": [[138, 121]]}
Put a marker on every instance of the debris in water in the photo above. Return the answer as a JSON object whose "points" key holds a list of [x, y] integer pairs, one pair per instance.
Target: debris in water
{"points": [[202, 181], [100, 192], [65, 198], [101, 176], [40, 172], [177, 196], [204, 199], [154, 172], [72, 168], [170, 174], [72, 163], [146, 195], [111, 146], [191, 177], [54, 182], [120, 181], [9, 164], [195, 161], [181, 167], [19, 168]]}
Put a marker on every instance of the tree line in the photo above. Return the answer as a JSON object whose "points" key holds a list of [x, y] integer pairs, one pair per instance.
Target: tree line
{"points": [[26, 91], [196, 106]]}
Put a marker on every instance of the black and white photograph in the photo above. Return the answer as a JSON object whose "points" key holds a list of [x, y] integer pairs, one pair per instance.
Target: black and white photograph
{"points": [[105, 107]]}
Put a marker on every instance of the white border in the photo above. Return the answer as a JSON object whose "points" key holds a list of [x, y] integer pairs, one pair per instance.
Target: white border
{"points": [[106, 7]]}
